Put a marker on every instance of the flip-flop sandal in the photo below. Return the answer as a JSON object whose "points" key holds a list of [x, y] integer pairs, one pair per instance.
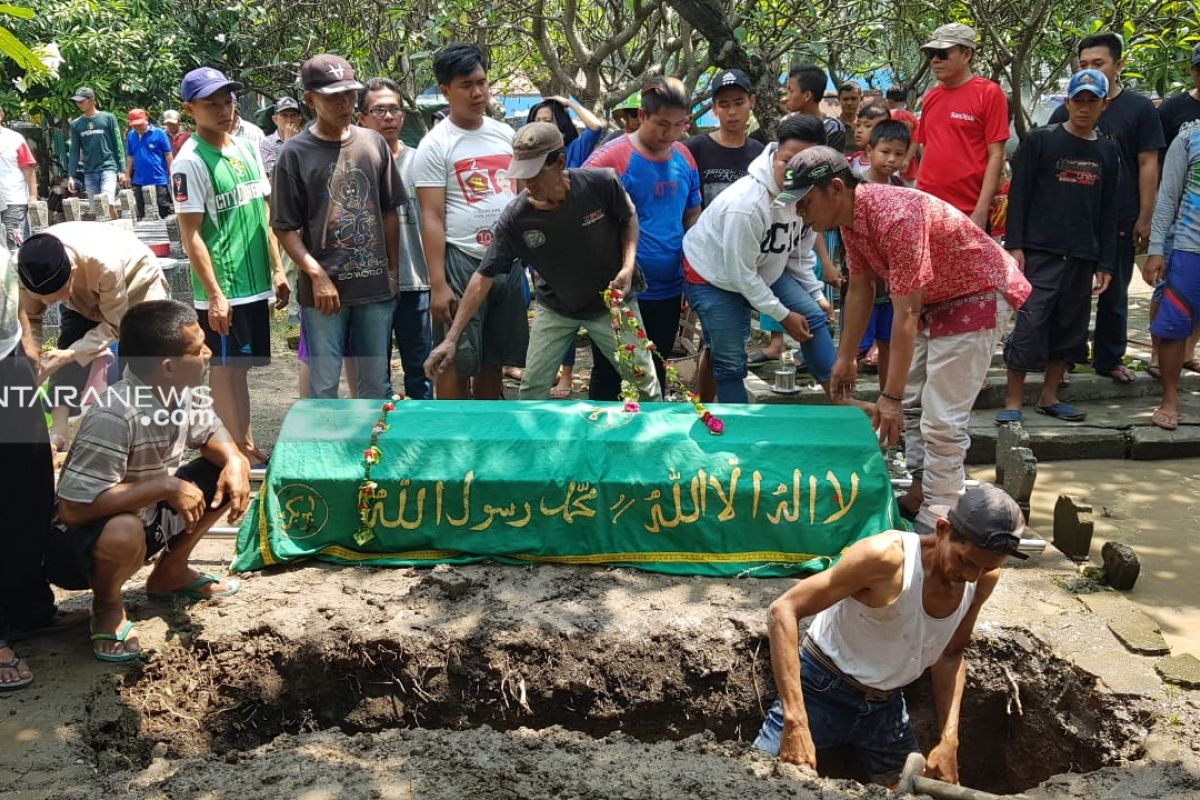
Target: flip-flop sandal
{"points": [[119, 636], [19, 683], [1165, 420], [1064, 411], [192, 592], [1009, 415], [560, 394]]}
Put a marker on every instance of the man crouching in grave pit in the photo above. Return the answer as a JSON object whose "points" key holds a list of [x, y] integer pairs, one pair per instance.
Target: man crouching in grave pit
{"points": [[896, 604], [119, 503]]}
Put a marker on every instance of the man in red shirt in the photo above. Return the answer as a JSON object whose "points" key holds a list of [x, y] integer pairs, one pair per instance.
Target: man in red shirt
{"points": [[952, 287], [963, 126]]}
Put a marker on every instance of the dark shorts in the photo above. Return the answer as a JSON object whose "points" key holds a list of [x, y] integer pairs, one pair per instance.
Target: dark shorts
{"points": [[1053, 323], [72, 326], [498, 336], [1179, 307], [69, 550], [876, 736], [249, 341]]}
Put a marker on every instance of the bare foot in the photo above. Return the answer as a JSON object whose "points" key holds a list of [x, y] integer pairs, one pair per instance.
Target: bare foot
{"points": [[12, 677], [112, 621]]}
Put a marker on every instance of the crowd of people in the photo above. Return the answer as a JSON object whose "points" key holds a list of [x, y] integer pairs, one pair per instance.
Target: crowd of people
{"points": [[427, 250]]}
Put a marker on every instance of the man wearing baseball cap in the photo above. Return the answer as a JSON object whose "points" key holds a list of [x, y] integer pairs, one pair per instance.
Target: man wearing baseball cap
{"points": [[578, 230], [724, 155], [335, 211], [96, 142], [895, 605], [963, 126], [148, 162], [171, 123], [952, 287]]}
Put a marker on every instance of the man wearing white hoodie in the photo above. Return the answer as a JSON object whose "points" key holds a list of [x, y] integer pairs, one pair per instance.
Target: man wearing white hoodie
{"points": [[734, 259]]}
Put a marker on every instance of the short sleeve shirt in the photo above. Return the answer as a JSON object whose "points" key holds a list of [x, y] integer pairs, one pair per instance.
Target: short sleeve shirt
{"points": [[335, 194], [662, 191], [228, 185], [472, 167], [128, 436], [915, 241], [956, 127]]}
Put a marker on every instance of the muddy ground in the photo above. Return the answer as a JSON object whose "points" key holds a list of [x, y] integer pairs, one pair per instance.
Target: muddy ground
{"points": [[537, 682]]}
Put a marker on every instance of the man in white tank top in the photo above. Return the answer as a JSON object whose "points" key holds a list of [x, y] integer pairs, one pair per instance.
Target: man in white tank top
{"points": [[896, 604]]}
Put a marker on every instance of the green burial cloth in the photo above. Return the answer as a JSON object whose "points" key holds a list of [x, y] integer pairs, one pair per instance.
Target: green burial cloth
{"points": [[782, 492]]}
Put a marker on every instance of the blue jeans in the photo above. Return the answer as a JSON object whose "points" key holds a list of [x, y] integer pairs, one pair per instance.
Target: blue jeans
{"points": [[414, 336], [370, 333], [879, 735], [101, 183]]}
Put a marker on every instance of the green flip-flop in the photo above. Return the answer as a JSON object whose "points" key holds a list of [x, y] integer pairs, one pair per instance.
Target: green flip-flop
{"points": [[119, 636], [192, 592]]}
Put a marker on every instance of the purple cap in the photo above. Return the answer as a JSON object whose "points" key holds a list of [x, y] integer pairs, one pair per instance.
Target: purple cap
{"points": [[205, 81]]}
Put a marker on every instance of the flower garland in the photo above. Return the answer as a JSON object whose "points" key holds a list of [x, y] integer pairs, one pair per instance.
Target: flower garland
{"points": [[368, 489], [626, 326]]}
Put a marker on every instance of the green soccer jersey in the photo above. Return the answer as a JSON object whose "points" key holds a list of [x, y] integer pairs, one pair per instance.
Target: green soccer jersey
{"points": [[228, 186]]}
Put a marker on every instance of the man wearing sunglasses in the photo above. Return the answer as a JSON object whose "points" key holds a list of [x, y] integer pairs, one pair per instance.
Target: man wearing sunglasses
{"points": [[963, 126]]}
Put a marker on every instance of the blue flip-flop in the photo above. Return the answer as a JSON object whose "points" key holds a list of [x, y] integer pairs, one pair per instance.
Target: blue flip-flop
{"points": [[1007, 415], [119, 636], [192, 592], [1064, 411]]}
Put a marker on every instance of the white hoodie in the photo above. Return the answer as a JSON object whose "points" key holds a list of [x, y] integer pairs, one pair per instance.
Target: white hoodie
{"points": [[742, 241]]}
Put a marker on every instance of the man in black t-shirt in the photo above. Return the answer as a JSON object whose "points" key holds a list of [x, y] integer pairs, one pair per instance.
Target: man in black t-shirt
{"points": [[724, 155], [578, 230], [1132, 122], [1182, 108]]}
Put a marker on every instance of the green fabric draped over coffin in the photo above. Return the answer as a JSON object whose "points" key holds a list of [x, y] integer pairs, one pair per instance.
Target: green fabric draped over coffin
{"points": [[782, 492]]}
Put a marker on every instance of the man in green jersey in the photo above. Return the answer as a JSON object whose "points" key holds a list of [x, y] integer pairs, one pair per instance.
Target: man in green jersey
{"points": [[220, 188]]}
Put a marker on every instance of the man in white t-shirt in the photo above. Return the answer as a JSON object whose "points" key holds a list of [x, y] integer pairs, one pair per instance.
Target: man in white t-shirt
{"points": [[18, 184], [461, 174]]}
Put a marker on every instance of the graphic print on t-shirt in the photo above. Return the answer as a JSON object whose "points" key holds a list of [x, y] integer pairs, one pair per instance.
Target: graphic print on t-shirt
{"points": [[1081, 171], [351, 225], [482, 176]]}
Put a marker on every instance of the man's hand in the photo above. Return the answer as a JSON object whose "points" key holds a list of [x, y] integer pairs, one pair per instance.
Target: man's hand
{"points": [[797, 326], [942, 764], [442, 304], [796, 746], [283, 289], [889, 420], [220, 314], [325, 294], [52, 361], [187, 499], [843, 378], [441, 357], [1141, 233], [980, 217], [1154, 270], [234, 485], [1103, 279], [622, 282], [1018, 256]]}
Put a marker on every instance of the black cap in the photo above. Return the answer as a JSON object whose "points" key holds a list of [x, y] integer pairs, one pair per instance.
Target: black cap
{"points": [[988, 518], [328, 74], [43, 264], [809, 168], [731, 79]]}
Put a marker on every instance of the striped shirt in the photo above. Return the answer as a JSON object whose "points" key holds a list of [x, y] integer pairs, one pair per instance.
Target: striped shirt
{"points": [[128, 436]]}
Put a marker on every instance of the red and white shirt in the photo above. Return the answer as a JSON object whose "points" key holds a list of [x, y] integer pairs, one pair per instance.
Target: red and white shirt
{"points": [[916, 242]]}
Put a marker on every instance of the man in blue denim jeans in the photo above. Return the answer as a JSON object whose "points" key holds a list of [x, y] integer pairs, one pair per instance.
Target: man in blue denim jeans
{"points": [[896, 604]]}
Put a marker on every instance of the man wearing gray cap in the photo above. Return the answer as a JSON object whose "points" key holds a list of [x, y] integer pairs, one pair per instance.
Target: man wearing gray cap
{"points": [[895, 605], [578, 229], [963, 126], [96, 142]]}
